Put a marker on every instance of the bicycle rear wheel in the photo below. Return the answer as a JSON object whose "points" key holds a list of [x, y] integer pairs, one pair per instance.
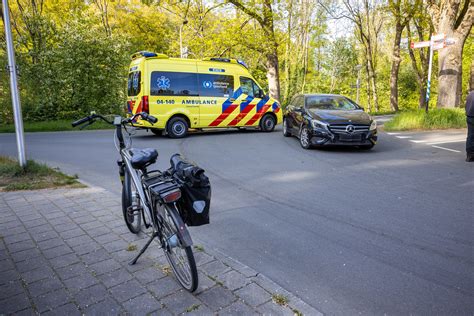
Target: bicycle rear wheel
{"points": [[131, 204], [180, 258]]}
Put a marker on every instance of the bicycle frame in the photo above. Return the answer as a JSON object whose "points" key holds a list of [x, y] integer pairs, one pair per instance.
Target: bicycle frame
{"points": [[144, 195]]}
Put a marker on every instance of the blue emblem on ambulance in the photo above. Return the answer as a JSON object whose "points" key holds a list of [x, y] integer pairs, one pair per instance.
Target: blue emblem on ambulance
{"points": [[207, 84], [163, 83]]}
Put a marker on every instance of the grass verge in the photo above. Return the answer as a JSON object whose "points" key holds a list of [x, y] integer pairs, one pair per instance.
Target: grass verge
{"points": [[420, 120], [51, 126], [33, 177]]}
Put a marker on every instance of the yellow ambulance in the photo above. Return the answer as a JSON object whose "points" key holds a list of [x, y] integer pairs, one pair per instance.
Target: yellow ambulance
{"points": [[197, 94]]}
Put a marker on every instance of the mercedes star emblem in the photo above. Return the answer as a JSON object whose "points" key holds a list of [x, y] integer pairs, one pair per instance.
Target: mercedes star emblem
{"points": [[350, 129]]}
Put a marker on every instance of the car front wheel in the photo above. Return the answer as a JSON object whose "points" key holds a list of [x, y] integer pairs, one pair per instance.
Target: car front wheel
{"points": [[305, 138], [286, 132]]}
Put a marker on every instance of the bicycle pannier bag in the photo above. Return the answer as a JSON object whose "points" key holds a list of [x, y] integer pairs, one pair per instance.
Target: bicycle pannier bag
{"points": [[196, 191]]}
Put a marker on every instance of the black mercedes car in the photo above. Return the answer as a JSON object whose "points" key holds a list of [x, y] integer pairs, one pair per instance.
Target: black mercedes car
{"points": [[328, 119]]}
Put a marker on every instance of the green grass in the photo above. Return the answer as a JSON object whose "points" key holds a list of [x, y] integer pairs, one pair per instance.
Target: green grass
{"points": [[33, 177], [131, 247], [199, 248], [51, 126], [192, 308], [280, 299], [420, 120]]}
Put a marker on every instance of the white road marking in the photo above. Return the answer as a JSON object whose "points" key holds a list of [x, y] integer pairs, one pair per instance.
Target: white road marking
{"points": [[456, 151], [417, 141], [403, 137], [447, 142], [393, 133]]}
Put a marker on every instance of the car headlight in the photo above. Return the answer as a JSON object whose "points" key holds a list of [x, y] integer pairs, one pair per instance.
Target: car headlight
{"points": [[373, 125], [318, 124]]}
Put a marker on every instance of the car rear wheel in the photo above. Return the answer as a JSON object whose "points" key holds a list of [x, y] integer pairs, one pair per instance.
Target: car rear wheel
{"points": [[177, 127], [267, 123], [305, 138], [286, 132]]}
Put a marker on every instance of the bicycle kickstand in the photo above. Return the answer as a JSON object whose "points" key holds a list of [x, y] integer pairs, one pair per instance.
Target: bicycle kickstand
{"points": [[155, 234]]}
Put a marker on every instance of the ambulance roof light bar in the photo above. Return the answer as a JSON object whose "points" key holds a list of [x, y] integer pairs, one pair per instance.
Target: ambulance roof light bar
{"points": [[148, 55], [227, 60]]}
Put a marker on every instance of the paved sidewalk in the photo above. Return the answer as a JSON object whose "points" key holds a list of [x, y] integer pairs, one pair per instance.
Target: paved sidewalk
{"points": [[65, 252]]}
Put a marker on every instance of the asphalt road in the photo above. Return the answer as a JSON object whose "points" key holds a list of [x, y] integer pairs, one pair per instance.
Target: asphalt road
{"points": [[385, 231]]}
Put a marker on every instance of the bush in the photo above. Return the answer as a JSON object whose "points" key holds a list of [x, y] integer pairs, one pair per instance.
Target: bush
{"points": [[81, 69], [420, 120]]}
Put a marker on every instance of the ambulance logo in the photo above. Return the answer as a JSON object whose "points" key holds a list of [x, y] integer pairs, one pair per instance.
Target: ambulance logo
{"points": [[207, 84], [163, 83]]}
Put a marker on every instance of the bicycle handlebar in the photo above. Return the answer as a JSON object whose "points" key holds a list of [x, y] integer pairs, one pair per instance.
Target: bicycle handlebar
{"points": [[148, 117], [81, 121], [91, 119]]}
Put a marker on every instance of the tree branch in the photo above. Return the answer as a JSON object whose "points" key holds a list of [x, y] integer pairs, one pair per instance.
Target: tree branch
{"points": [[465, 26], [248, 11]]}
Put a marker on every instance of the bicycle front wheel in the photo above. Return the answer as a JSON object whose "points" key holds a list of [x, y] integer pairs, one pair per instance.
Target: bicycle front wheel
{"points": [[181, 258]]}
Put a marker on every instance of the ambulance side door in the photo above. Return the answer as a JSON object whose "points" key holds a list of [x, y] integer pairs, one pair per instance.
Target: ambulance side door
{"points": [[216, 89]]}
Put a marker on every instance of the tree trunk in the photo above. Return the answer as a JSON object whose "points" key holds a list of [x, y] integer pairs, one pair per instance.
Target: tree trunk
{"points": [[395, 68], [273, 75], [369, 106], [450, 75], [287, 55]]}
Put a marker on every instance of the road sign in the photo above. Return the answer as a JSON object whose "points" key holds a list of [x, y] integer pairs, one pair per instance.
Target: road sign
{"points": [[438, 37], [404, 43], [438, 45], [450, 41], [436, 42], [420, 44]]}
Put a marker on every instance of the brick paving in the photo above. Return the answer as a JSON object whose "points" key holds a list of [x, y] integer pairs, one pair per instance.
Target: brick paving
{"points": [[66, 252]]}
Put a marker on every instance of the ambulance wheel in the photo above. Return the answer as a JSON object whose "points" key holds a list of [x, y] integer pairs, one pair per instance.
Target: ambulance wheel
{"points": [[157, 132], [177, 127], [267, 123]]}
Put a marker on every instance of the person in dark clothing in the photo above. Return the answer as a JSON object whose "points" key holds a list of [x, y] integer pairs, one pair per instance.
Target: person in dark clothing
{"points": [[470, 127]]}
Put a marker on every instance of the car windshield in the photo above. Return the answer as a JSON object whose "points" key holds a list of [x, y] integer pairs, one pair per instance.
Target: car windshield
{"points": [[324, 102]]}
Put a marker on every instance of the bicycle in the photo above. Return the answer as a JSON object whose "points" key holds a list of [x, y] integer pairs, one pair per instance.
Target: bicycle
{"points": [[154, 198]]}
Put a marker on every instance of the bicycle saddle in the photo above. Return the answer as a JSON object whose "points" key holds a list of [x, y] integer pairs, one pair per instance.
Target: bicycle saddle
{"points": [[143, 157]]}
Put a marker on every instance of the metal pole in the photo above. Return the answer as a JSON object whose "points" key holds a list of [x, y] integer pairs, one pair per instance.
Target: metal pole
{"points": [[181, 37], [428, 86], [181, 41], [20, 140]]}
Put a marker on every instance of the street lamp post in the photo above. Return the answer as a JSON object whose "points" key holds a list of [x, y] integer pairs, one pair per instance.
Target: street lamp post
{"points": [[181, 37], [20, 140]]}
